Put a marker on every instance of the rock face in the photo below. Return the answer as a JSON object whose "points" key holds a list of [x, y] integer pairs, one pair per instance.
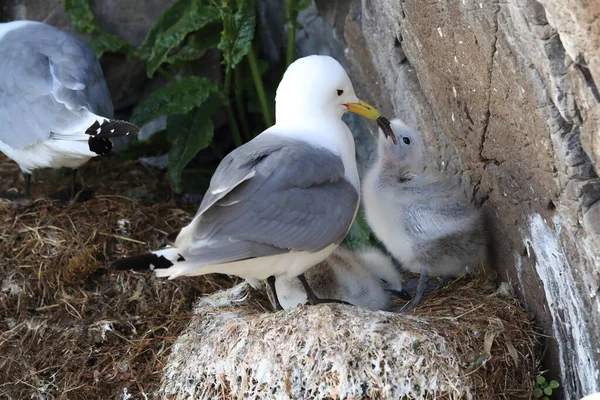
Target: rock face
{"points": [[506, 95]]}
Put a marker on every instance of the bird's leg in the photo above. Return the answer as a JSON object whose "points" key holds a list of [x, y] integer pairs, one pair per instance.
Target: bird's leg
{"points": [[312, 297], [73, 182], [423, 280], [273, 293], [469, 273], [442, 283], [401, 294], [27, 178]]}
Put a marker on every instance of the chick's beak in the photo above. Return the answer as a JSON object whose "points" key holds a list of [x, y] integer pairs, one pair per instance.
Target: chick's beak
{"points": [[366, 110], [363, 109]]}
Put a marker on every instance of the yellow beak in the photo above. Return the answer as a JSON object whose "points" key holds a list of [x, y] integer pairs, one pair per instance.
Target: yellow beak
{"points": [[363, 109]]}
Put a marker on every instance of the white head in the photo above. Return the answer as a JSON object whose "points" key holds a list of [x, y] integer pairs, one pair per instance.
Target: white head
{"points": [[317, 87], [408, 152]]}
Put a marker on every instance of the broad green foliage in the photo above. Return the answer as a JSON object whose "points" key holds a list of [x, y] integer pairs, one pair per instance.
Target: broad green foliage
{"points": [[189, 16], [180, 97], [543, 388], [359, 235], [81, 15], [238, 29], [189, 134], [83, 20], [196, 45], [167, 19], [107, 43], [302, 4], [184, 32]]}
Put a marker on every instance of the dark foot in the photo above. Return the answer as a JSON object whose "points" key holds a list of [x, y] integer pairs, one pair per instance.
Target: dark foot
{"points": [[421, 286], [401, 294], [312, 297], [27, 178], [469, 274], [442, 283], [272, 294], [314, 301]]}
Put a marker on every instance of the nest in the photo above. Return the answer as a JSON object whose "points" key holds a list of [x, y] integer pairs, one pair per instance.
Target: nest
{"points": [[466, 342], [70, 327]]}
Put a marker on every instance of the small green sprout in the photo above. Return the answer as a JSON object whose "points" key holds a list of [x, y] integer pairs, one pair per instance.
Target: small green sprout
{"points": [[544, 389]]}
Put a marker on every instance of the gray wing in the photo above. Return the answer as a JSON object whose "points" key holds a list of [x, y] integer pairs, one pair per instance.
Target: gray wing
{"points": [[282, 195], [48, 79]]}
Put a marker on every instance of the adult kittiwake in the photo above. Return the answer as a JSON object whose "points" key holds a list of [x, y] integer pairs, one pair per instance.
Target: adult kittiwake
{"points": [[55, 107], [284, 201]]}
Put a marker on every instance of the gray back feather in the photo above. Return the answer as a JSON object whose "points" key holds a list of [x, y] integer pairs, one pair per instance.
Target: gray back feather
{"points": [[47, 78], [281, 195]]}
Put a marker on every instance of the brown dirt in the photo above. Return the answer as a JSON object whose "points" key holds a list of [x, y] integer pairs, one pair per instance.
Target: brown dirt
{"points": [[70, 327]]}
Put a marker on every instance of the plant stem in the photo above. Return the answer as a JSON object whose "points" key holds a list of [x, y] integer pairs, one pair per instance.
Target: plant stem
{"points": [[291, 31], [237, 89], [235, 131], [260, 90], [165, 73]]}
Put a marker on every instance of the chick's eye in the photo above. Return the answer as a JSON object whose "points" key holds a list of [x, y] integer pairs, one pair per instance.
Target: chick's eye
{"points": [[340, 92], [406, 140]]}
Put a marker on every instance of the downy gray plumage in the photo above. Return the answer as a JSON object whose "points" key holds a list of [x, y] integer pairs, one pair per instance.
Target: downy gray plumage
{"points": [[422, 217], [365, 277]]}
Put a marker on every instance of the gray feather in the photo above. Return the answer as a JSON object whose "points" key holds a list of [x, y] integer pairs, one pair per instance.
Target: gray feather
{"points": [[271, 196], [47, 78]]}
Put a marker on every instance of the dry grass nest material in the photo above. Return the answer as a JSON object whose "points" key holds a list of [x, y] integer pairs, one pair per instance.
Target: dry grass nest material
{"points": [[468, 341], [70, 327]]}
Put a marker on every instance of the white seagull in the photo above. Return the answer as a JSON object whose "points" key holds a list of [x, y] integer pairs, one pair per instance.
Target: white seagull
{"points": [[55, 107], [284, 201]]}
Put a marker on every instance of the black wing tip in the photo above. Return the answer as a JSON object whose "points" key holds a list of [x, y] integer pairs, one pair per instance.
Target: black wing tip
{"points": [[148, 261], [112, 128], [100, 146]]}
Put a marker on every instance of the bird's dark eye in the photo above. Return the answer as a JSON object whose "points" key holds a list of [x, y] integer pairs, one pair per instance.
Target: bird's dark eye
{"points": [[406, 140], [340, 92]]}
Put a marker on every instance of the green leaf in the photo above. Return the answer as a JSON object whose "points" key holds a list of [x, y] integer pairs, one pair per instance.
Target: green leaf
{"points": [[193, 17], [81, 15], [180, 97], [540, 379], [107, 43], [546, 398], [537, 393], [553, 384], [359, 234], [548, 391], [302, 4], [238, 29], [191, 133], [167, 19], [196, 45]]}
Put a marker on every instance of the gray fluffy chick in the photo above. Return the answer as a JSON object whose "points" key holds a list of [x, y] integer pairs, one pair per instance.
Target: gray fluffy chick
{"points": [[364, 278], [422, 218]]}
